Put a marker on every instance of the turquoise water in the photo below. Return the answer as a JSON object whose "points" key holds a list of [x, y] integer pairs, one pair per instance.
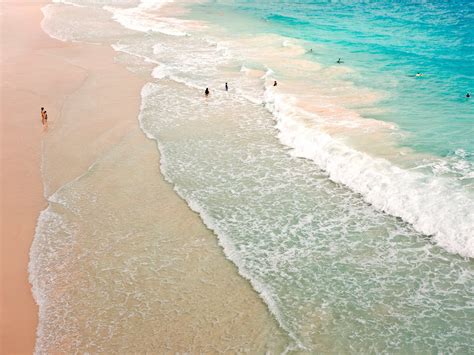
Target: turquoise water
{"points": [[387, 43], [345, 195]]}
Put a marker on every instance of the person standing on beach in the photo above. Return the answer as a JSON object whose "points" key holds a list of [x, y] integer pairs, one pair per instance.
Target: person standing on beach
{"points": [[42, 115], [275, 83], [45, 118], [206, 92], [226, 87]]}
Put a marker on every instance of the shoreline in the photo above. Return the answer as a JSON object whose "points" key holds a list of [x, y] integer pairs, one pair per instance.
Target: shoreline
{"points": [[120, 263], [62, 77], [25, 65], [53, 75]]}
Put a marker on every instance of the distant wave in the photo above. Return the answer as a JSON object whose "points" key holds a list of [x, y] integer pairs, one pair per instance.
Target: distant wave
{"points": [[286, 20]]}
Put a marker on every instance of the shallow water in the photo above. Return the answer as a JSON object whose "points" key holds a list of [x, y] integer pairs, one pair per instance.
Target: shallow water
{"points": [[347, 211], [120, 265], [328, 264]]}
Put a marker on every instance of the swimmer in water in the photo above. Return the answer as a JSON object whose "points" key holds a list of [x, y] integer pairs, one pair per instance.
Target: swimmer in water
{"points": [[339, 61], [419, 74], [275, 83], [468, 95], [206, 92]]}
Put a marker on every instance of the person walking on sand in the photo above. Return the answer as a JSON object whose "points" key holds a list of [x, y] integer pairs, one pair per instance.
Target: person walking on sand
{"points": [[42, 115], [45, 118], [206, 92], [226, 87], [275, 83]]}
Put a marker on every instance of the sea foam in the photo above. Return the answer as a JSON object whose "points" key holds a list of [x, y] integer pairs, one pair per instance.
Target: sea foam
{"points": [[433, 205], [145, 17], [417, 198]]}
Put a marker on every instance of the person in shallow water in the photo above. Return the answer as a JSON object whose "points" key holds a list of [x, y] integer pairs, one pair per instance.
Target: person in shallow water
{"points": [[275, 83], [206, 92], [226, 87], [419, 74], [339, 61], [468, 95]]}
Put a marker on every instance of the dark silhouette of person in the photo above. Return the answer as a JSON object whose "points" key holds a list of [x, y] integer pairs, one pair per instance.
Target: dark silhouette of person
{"points": [[206, 92], [275, 83], [226, 87], [468, 95]]}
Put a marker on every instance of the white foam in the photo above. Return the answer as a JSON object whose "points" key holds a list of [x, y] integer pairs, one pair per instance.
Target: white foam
{"points": [[47, 11], [65, 2], [42, 268], [224, 240], [160, 72], [118, 47], [79, 23], [417, 198], [145, 18], [433, 205]]}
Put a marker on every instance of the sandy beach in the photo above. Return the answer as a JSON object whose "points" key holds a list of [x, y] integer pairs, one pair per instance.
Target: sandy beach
{"points": [[27, 84], [149, 217], [92, 104], [33, 76]]}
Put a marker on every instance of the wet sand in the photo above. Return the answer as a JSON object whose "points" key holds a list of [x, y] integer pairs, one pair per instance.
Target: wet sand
{"points": [[30, 78], [93, 104], [140, 273]]}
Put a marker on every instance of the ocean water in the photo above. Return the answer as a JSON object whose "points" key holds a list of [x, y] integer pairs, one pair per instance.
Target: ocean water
{"points": [[387, 43], [345, 194]]}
